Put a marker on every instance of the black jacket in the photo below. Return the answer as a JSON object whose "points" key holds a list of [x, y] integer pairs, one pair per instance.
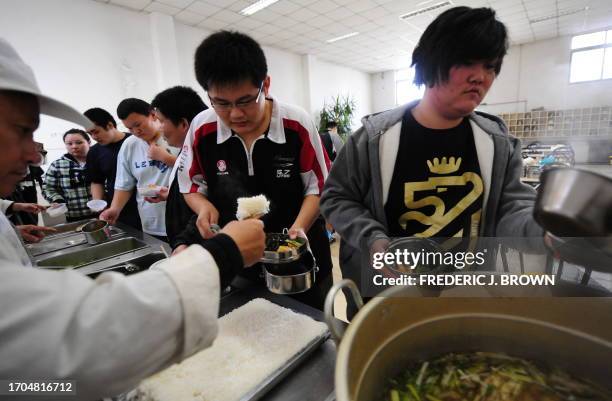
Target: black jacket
{"points": [[178, 215]]}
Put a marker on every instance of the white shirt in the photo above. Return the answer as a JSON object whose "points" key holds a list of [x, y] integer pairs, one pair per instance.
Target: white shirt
{"points": [[11, 247], [136, 169], [5, 204], [110, 333]]}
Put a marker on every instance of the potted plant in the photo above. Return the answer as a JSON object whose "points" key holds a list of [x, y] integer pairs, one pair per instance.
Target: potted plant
{"points": [[341, 110]]}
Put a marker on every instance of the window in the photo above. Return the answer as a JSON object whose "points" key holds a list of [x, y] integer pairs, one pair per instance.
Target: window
{"points": [[405, 89], [591, 58]]}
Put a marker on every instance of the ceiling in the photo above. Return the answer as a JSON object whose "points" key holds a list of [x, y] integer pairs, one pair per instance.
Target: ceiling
{"points": [[385, 42]]}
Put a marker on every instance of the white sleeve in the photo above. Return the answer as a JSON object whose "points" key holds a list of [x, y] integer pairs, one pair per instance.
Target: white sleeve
{"points": [[315, 165], [110, 333], [190, 172], [4, 205], [124, 180]]}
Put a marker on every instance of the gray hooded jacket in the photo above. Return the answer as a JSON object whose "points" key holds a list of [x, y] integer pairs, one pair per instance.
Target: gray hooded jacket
{"points": [[356, 190]]}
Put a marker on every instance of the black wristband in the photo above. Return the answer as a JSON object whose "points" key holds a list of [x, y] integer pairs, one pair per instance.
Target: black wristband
{"points": [[227, 256]]}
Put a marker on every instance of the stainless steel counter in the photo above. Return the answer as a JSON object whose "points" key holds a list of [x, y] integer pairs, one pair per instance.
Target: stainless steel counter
{"points": [[125, 244]]}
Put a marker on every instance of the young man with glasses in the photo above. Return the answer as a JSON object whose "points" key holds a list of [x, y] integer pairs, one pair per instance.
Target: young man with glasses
{"points": [[251, 144]]}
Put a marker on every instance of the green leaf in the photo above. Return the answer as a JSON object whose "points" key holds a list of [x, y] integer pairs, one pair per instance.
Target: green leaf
{"points": [[341, 109]]}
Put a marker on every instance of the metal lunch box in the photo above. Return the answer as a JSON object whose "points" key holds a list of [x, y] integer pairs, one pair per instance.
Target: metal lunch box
{"points": [[291, 277], [289, 271]]}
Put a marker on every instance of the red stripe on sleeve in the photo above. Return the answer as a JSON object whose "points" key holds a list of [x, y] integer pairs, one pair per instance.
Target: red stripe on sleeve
{"points": [[197, 168], [308, 156]]}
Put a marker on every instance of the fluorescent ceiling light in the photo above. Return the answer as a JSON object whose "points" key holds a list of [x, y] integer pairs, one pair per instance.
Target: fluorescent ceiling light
{"points": [[258, 6], [425, 10], [348, 35], [559, 14]]}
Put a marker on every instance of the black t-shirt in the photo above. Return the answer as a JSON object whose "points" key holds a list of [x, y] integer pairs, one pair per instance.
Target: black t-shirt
{"points": [[178, 215], [436, 189], [328, 145], [276, 174], [101, 168]]}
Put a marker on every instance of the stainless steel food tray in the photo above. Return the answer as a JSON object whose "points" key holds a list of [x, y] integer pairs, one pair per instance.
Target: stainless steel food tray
{"points": [[267, 384], [58, 242]]}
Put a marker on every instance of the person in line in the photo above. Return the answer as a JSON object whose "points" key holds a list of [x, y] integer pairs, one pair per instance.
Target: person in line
{"points": [[26, 192], [145, 159], [434, 167], [175, 108], [331, 140], [110, 333], [65, 179], [333, 144], [249, 144], [101, 167], [30, 233]]}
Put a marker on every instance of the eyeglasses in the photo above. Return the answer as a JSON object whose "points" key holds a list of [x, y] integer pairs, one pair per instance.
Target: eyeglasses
{"points": [[242, 104]]}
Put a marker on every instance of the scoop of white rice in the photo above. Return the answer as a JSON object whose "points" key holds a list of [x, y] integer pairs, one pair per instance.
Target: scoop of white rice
{"points": [[253, 206], [253, 342]]}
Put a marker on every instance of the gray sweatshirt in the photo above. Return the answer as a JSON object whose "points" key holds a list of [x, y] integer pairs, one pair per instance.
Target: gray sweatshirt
{"points": [[358, 184]]}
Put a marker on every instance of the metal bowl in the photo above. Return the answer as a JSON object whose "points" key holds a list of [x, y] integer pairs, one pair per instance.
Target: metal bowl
{"points": [[574, 203], [97, 231], [292, 277]]}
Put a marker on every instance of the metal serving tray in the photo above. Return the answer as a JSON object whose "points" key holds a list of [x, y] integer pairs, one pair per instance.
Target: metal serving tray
{"points": [[74, 228], [94, 253], [268, 383], [56, 243], [66, 229]]}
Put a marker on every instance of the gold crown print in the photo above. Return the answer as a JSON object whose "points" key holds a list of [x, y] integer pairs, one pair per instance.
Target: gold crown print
{"points": [[444, 167]]}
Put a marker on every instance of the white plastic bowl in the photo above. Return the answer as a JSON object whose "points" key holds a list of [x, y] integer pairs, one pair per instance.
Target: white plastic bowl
{"points": [[150, 191], [56, 211], [96, 205]]}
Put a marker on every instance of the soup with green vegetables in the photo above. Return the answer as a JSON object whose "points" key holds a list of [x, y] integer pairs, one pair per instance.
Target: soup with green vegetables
{"points": [[485, 376]]}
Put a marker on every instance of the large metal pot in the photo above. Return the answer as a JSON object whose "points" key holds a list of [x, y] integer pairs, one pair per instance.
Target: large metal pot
{"points": [[400, 327], [574, 203]]}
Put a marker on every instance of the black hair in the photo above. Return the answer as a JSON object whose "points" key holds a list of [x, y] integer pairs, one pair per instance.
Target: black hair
{"points": [[100, 117], [227, 58], [179, 102], [77, 132], [132, 105], [331, 124], [458, 36]]}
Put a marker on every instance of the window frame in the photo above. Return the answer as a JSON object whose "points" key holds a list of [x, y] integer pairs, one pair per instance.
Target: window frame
{"points": [[605, 45], [410, 80]]}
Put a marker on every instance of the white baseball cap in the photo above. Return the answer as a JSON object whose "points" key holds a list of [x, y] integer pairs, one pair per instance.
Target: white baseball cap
{"points": [[15, 75]]}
